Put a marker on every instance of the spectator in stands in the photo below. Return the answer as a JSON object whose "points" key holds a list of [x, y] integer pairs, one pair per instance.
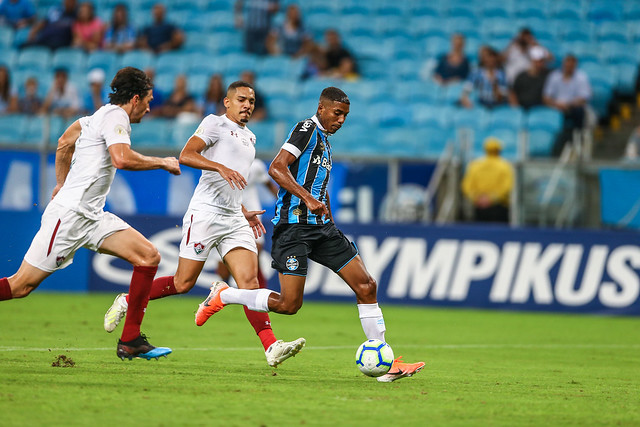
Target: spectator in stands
{"points": [[290, 37], [517, 56], [335, 51], [161, 36], [487, 184], [17, 13], [62, 99], [179, 100], [30, 103], [256, 22], [97, 95], [260, 109], [488, 81], [155, 106], [527, 88], [120, 36], [568, 90], [213, 99], [88, 30], [54, 31], [316, 61], [7, 98], [453, 66]]}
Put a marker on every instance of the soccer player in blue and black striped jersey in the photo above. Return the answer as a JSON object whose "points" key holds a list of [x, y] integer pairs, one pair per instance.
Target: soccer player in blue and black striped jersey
{"points": [[304, 229]]}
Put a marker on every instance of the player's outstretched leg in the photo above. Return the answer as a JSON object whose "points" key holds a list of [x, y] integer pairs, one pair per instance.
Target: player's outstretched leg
{"points": [[140, 348], [212, 304], [399, 369]]}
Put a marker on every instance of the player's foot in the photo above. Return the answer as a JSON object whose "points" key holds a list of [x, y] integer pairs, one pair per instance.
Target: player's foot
{"points": [[141, 348], [399, 369], [116, 312], [212, 304], [280, 351]]}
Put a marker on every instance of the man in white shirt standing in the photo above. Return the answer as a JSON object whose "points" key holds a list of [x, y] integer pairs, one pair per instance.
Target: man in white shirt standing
{"points": [[224, 149], [88, 154]]}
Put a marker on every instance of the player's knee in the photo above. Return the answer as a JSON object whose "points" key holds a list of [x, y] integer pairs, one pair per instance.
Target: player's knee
{"points": [[368, 290], [290, 308], [150, 257]]}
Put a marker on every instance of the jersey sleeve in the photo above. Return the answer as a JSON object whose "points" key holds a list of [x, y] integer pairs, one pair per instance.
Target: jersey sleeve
{"points": [[116, 128], [299, 138], [209, 130]]}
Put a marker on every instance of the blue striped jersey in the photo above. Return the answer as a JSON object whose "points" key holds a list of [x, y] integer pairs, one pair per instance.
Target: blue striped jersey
{"points": [[308, 142]]}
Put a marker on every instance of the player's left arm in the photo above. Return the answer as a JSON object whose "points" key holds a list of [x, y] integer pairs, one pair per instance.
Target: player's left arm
{"points": [[191, 155], [64, 154], [253, 217]]}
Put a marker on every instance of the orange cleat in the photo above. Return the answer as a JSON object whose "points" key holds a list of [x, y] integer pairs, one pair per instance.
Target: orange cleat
{"points": [[212, 304], [399, 369]]}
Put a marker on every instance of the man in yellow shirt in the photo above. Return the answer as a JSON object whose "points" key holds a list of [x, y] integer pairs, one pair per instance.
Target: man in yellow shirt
{"points": [[487, 183]]}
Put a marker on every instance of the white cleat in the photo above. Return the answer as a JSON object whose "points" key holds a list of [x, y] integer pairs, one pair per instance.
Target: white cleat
{"points": [[116, 312], [280, 351]]}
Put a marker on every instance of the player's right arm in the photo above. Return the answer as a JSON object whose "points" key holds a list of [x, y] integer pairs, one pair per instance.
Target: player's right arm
{"points": [[191, 155], [64, 154]]}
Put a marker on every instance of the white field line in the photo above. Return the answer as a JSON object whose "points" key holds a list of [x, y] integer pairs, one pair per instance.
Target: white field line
{"points": [[344, 347]]}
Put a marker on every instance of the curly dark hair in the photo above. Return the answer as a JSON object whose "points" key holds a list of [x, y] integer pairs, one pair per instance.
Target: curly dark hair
{"points": [[332, 93], [127, 83]]}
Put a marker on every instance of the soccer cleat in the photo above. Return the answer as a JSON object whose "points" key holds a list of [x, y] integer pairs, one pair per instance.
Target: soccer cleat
{"points": [[280, 351], [399, 369], [116, 312], [140, 348], [212, 304]]}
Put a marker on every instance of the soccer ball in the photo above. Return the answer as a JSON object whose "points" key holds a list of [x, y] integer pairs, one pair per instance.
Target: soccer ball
{"points": [[374, 358]]}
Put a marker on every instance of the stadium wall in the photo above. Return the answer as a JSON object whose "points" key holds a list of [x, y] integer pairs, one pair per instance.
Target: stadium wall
{"points": [[453, 266]]}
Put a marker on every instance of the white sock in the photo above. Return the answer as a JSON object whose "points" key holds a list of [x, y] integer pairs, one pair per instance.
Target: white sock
{"points": [[372, 321], [254, 299]]}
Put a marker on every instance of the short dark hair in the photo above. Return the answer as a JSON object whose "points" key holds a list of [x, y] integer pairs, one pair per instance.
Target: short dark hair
{"points": [[128, 83], [239, 83], [332, 93]]}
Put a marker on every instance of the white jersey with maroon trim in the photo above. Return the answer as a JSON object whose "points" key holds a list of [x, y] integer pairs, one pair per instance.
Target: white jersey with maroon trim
{"points": [[231, 145], [89, 180]]}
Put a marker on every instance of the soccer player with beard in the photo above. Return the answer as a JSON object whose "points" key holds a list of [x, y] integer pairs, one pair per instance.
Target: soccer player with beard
{"points": [[304, 229], [223, 148], [88, 154]]}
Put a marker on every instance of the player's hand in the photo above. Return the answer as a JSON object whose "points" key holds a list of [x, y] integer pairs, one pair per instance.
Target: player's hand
{"points": [[55, 190], [172, 165], [253, 217], [317, 207], [235, 179]]}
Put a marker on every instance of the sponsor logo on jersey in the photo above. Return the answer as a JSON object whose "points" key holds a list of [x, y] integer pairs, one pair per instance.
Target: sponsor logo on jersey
{"points": [[297, 211], [322, 146], [305, 126], [120, 130], [59, 260], [292, 263], [198, 248]]}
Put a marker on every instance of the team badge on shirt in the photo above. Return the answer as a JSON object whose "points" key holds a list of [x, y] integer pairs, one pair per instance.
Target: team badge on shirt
{"points": [[198, 248], [199, 131], [297, 211], [292, 263], [120, 130]]}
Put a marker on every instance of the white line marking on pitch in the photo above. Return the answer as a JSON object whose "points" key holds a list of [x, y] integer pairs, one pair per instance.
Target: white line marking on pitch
{"points": [[344, 347]]}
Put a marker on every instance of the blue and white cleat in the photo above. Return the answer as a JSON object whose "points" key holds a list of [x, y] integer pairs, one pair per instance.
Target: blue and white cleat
{"points": [[140, 348]]}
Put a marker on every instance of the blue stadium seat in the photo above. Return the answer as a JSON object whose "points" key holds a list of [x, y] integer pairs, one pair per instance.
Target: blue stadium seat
{"points": [[6, 36], [225, 43], [181, 132], [467, 26], [106, 60], [373, 69], [70, 58], [432, 140], [56, 126], [544, 118], [276, 87], [569, 10], [12, 128], [197, 84], [370, 47], [137, 58], [601, 11], [612, 32], [460, 9], [540, 142], [152, 133], [431, 115], [355, 139], [400, 142], [8, 57], [164, 82], [275, 67], [389, 8], [319, 23], [495, 9], [572, 33], [367, 91], [436, 46], [265, 135], [235, 63], [422, 9], [389, 115], [506, 117], [280, 109], [199, 63], [508, 137], [601, 97], [451, 93], [599, 73], [525, 9], [20, 36], [417, 91], [497, 27], [474, 118], [37, 59], [174, 62], [614, 52], [355, 26], [631, 11], [388, 26], [627, 77], [35, 134], [426, 26]]}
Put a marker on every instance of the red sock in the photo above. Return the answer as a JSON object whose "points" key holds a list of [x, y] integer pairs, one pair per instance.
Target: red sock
{"points": [[162, 287], [141, 282], [5, 289], [262, 325], [260, 321]]}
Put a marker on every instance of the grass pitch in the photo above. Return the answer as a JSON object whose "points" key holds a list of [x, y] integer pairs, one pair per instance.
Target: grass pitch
{"points": [[483, 368]]}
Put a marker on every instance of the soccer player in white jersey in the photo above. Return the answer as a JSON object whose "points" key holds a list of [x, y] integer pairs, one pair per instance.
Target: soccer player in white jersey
{"points": [[304, 229], [224, 148], [88, 154]]}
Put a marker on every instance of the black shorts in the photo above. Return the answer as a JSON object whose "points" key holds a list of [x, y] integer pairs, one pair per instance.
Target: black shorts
{"points": [[292, 244]]}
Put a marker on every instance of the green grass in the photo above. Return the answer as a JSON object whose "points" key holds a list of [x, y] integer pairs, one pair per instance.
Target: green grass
{"points": [[483, 368]]}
